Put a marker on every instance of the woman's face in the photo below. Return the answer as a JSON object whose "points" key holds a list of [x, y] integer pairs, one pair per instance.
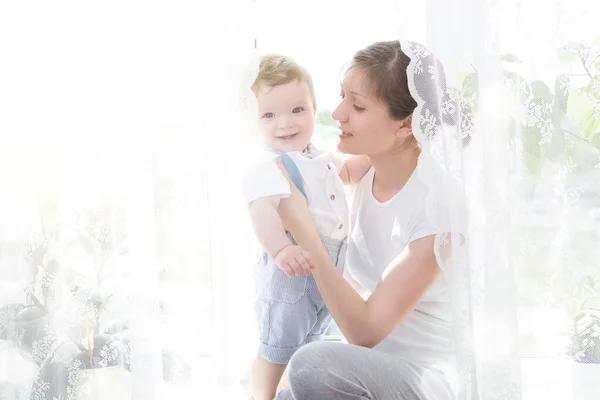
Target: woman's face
{"points": [[364, 120]]}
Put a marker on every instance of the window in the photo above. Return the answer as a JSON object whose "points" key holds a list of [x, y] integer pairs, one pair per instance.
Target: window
{"points": [[322, 36]]}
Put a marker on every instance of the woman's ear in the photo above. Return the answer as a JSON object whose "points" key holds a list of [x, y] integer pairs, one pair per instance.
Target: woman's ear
{"points": [[408, 122], [404, 127]]}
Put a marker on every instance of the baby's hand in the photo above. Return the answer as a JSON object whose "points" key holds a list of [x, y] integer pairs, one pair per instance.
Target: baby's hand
{"points": [[294, 261]]}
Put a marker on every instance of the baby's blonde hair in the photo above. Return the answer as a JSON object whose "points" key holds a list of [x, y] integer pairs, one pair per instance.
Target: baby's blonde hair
{"points": [[276, 69]]}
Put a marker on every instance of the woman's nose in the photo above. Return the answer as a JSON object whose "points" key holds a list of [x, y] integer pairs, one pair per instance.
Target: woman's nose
{"points": [[338, 114]]}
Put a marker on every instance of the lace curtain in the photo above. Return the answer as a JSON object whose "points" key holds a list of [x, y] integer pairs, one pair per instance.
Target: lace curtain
{"points": [[529, 297], [124, 251]]}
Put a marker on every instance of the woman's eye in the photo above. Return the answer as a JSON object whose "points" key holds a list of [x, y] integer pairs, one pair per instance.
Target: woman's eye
{"points": [[297, 110], [268, 115], [357, 108]]}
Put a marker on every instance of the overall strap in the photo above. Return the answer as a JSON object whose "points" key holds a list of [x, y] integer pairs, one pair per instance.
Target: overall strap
{"points": [[292, 170]]}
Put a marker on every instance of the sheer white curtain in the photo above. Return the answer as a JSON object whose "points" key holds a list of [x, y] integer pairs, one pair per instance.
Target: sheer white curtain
{"points": [[529, 69], [529, 174], [125, 253], [123, 249]]}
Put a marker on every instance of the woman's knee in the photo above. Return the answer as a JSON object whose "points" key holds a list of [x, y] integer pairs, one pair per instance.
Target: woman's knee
{"points": [[311, 365], [315, 355]]}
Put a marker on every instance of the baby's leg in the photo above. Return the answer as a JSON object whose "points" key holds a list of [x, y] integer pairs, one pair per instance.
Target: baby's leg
{"points": [[264, 378], [283, 329], [284, 382], [285, 316]]}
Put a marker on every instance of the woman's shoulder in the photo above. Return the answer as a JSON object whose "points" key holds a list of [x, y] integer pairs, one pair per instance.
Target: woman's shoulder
{"points": [[354, 190], [445, 201]]}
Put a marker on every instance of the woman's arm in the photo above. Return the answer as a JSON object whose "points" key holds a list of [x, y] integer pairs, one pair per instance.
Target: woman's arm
{"points": [[358, 288], [403, 284]]}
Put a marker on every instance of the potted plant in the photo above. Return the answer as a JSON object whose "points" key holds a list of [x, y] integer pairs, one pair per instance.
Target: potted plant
{"points": [[75, 323], [63, 328], [585, 341]]}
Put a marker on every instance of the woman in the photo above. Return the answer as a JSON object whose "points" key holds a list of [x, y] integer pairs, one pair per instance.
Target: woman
{"points": [[394, 305]]}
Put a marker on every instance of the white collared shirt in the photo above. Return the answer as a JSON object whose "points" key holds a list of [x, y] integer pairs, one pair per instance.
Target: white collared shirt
{"points": [[324, 189]]}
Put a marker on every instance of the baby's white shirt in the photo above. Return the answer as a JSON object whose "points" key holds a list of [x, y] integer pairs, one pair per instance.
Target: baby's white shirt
{"points": [[324, 189]]}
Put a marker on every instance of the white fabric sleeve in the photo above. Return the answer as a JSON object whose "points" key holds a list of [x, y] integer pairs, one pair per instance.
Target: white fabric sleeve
{"points": [[264, 179], [420, 226]]}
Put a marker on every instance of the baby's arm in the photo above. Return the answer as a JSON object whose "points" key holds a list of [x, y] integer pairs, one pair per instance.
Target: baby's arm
{"points": [[271, 234], [355, 167]]}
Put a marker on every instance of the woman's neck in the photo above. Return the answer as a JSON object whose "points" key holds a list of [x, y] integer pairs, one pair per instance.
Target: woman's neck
{"points": [[392, 171]]}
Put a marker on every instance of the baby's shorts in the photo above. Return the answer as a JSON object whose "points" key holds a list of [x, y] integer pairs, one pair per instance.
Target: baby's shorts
{"points": [[290, 312]]}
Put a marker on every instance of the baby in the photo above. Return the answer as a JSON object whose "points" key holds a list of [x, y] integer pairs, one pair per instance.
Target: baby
{"points": [[289, 309]]}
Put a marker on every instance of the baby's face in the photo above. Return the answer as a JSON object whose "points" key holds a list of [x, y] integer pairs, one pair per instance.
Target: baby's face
{"points": [[286, 116]]}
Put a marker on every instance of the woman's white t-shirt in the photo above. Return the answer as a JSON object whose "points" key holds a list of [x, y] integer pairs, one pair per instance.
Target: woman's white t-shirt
{"points": [[379, 233]]}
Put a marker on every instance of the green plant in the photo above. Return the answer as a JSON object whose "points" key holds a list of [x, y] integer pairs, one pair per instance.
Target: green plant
{"points": [[59, 328], [541, 118], [585, 331], [324, 117], [553, 125], [584, 80]]}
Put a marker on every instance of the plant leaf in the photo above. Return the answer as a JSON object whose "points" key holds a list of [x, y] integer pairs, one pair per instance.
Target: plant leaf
{"points": [[540, 90], [570, 52], [561, 90], [511, 58], [470, 90]]}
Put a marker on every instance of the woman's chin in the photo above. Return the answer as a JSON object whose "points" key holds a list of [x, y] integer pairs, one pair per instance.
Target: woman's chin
{"points": [[344, 148]]}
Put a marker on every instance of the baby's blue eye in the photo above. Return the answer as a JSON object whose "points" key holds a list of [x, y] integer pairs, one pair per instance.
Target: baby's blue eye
{"points": [[268, 115], [297, 110]]}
